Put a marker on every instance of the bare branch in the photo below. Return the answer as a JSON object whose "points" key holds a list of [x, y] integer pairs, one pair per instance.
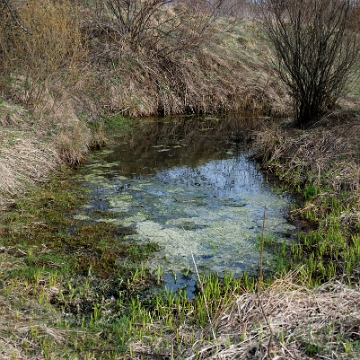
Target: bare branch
{"points": [[164, 26], [14, 17], [314, 50]]}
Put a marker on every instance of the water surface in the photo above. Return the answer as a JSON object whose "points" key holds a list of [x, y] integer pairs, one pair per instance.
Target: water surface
{"points": [[187, 184]]}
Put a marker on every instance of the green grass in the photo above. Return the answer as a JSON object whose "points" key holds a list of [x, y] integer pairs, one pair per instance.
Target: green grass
{"points": [[65, 273], [63, 293]]}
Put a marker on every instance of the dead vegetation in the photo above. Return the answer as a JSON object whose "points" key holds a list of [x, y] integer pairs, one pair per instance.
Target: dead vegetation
{"points": [[24, 160], [211, 79], [295, 322], [303, 323], [326, 155], [69, 64], [77, 69]]}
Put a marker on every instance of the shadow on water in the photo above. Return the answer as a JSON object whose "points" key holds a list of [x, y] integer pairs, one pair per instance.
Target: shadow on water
{"points": [[187, 184], [182, 141]]}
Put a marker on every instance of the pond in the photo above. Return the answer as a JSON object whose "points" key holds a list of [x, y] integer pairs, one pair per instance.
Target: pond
{"points": [[189, 185]]}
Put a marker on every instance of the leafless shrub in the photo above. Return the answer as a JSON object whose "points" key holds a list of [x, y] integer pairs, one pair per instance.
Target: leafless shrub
{"points": [[225, 8], [161, 26], [314, 51]]}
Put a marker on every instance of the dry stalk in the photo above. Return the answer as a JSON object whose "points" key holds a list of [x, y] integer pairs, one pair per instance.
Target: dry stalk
{"points": [[205, 300], [260, 280], [299, 317]]}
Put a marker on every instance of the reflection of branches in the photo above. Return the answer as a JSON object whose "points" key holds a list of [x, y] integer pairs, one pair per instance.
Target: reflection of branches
{"points": [[14, 16]]}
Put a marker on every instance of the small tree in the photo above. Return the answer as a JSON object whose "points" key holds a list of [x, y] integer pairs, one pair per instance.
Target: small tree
{"points": [[314, 50]]}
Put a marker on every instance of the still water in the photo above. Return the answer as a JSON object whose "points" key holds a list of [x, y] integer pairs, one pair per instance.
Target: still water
{"points": [[189, 185]]}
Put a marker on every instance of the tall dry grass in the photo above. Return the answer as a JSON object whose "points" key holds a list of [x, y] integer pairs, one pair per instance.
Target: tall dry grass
{"points": [[41, 63], [72, 143], [34, 61], [24, 161], [326, 155], [305, 324], [220, 70]]}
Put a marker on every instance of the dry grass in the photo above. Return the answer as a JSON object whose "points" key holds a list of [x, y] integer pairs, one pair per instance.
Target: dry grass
{"points": [[72, 143], [53, 48], [23, 161], [326, 155], [223, 75], [34, 144], [40, 67], [318, 323], [10, 114]]}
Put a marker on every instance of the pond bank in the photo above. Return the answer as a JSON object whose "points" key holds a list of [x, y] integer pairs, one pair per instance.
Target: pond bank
{"points": [[60, 295], [68, 313], [187, 184], [322, 165]]}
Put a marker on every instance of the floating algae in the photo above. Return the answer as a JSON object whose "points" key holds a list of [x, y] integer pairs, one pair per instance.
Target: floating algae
{"points": [[208, 203]]}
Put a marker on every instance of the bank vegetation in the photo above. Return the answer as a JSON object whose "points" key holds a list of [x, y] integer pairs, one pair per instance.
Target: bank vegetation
{"points": [[66, 65], [70, 67]]}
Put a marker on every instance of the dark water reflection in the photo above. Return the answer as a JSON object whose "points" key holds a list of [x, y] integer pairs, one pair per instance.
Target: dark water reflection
{"points": [[154, 144], [188, 184]]}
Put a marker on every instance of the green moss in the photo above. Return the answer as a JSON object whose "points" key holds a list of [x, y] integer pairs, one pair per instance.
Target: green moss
{"points": [[42, 226]]}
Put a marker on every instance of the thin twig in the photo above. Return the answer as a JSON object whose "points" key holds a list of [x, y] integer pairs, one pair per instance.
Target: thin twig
{"points": [[260, 280], [205, 300], [14, 17], [261, 252]]}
